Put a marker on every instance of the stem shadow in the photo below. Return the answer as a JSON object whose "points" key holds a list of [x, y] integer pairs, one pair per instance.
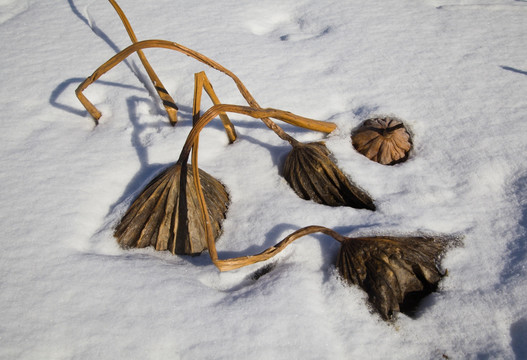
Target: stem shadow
{"points": [[518, 333], [518, 248], [61, 88], [141, 76], [508, 68]]}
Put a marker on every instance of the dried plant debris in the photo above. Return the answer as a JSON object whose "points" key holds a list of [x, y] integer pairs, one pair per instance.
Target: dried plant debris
{"points": [[167, 215], [395, 272], [310, 171], [384, 140]]}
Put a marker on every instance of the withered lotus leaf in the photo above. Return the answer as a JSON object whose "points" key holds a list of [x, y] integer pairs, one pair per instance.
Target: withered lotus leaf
{"points": [[166, 215], [312, 174], [395, 272], [384, 140]]}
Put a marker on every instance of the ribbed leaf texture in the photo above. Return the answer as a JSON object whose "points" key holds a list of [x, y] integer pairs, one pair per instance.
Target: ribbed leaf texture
{"points": [[384, 140], [312, 174], [166, 215], [395, 272]]}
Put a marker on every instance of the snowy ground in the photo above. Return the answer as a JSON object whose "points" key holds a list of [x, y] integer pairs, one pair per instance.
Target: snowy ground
{"points": [[454, 71]]}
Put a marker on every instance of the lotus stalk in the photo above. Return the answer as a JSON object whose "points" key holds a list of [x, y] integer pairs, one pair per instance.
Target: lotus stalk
{"points": [[182, 209], [331, 188]]}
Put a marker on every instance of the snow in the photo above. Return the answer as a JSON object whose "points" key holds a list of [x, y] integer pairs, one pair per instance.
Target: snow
{"points": [[454, 71]]}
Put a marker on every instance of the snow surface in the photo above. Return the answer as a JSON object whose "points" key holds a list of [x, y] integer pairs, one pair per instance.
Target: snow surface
{"points": [[454, 71]]}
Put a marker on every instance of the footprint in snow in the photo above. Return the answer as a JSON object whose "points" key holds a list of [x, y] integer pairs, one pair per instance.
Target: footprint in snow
{"points": [[285, 28]]}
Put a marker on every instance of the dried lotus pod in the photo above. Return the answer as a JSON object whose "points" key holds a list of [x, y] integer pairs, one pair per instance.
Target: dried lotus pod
{"points": [[395, 272], [384, 140], [167, 215], [312, 174]]}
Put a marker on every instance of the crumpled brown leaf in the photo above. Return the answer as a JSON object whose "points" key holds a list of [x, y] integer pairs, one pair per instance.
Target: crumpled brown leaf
{"points": [[395, 272], [312, 174]]}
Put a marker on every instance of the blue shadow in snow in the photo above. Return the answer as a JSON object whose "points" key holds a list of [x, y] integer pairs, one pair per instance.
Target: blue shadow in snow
{"points": [[519, 339], [518, 248], [147, 171], [93, 27], [141, 76], [508, 68], [59, 90], [278, 153]]}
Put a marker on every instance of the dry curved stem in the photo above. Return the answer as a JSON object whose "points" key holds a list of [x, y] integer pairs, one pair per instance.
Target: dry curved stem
{"points": [[311, 124], [193, 137], [169, 103], [201, 82], [238, 262], [172, 212]]}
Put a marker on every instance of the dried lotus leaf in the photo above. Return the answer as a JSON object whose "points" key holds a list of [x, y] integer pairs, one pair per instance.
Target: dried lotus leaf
{"points": [[167, 216], [312, 174], [384, 140], [395, 272]]}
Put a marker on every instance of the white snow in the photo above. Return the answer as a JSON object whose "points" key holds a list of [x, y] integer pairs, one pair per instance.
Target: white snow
{"points": [[454, 71]]}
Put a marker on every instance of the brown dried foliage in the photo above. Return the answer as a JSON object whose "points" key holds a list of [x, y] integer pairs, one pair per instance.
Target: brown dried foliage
{"points": [[167, 215], [179, 213], [395, 272], [384, 140], [310, 171]]}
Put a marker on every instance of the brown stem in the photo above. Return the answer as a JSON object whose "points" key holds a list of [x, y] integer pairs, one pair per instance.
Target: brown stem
{"points": [[192, 139], [311, 124], [215, 110], [238, 262], [167, 100]]}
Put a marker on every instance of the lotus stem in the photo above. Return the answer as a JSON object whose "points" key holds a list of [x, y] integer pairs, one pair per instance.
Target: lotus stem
{"points": [[215, 110], [238, 262], [192, 140], [169, 103], [310, 124]]}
